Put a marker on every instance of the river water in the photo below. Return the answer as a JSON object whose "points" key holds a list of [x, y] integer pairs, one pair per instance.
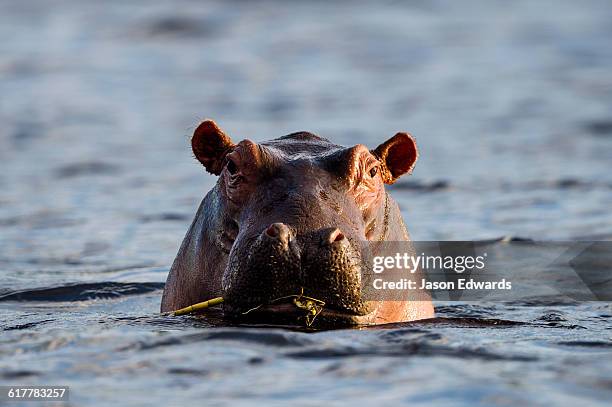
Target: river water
{"points": [[509, 102]]}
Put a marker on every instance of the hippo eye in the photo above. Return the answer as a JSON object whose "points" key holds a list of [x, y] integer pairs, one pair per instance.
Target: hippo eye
{"points": [[231, 166], [373, 172]]}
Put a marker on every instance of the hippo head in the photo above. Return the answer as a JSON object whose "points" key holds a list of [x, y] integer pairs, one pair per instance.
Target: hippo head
{"points": [[291, 216], [294, 213]]}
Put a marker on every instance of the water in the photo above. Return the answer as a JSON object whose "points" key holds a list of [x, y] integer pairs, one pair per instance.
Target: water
{"points": [[509, 103]]}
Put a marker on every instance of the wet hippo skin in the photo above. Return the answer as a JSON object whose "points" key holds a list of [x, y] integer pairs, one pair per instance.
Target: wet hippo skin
{"points": [[291, 215]]}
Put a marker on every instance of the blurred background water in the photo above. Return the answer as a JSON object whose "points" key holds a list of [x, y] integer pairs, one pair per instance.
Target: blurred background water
{"points": [[509, 102]]}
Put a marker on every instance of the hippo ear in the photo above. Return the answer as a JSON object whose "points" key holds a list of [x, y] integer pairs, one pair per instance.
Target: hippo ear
{"points": [[210, 145], [397, 155]]}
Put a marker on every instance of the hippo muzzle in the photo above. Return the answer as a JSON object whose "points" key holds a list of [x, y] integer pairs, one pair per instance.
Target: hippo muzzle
{"points": [[279, 263]]}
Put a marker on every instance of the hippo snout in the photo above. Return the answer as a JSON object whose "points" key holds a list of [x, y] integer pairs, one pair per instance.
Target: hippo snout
{"points": [[280, 262]]}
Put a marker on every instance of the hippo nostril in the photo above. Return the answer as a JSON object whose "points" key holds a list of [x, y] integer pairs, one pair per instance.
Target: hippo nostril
{"points": [[272, 231], [335, 236], [279, 231]]}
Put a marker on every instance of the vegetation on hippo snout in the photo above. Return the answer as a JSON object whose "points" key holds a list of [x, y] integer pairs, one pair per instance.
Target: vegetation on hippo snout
{"points": [[310, 305], [199, 306]]}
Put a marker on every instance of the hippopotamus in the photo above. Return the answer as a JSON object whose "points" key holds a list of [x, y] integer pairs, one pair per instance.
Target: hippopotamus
{"points": [[290, 216]]}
